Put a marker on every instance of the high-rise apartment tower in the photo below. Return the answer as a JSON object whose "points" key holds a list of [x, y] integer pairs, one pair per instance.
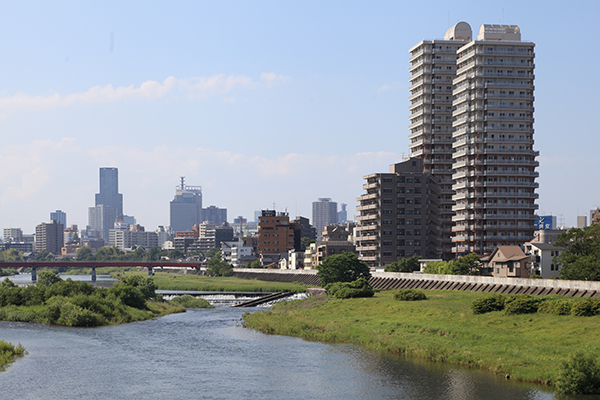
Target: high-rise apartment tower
{"points": [[433, 69], [489, 133]]}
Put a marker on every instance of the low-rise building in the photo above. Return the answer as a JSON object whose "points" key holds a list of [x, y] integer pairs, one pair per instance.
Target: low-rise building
{"points": [[508, 262]]}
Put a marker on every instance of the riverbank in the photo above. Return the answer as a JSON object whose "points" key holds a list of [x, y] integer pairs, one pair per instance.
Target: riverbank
{"points": [[529, 347], [178, 281], [8, 353]]}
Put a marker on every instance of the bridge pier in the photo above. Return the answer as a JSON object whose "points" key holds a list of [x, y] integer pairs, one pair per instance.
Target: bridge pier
{"points": [[93, 274], [33, 274]]}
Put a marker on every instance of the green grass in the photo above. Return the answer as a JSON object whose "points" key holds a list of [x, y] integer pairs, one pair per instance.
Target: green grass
{"points": [[8, 353], [175, 281], [442, 328]]}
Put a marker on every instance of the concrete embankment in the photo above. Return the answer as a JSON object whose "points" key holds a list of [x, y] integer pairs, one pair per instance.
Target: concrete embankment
{"points": [[396, 280]]}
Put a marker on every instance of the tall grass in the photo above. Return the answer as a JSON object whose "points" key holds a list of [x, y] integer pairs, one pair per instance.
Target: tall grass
{"points": [[174, 281], [529, 347], [9, 352]]}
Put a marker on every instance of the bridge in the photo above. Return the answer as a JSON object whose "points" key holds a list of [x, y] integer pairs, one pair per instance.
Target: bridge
{"points": [[34, 265]]}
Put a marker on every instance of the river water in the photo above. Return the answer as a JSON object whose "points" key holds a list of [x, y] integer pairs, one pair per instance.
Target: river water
{"points": [[207, 354]]}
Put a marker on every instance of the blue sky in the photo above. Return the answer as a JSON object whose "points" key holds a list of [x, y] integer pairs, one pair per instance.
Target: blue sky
{"points": [[260, 103]]}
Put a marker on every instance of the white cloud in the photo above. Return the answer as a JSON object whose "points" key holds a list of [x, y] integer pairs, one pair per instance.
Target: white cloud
{"points": [[198, 88], [43, 176], [389, 86]]}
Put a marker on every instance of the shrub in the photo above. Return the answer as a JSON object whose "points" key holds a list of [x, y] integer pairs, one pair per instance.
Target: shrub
{"points": [[346, 290], [586, 308], [521, 305], [535, 277], [191, 302], [487, 304], [580, 374], [556, 307], [409, 295], [72, 315]]}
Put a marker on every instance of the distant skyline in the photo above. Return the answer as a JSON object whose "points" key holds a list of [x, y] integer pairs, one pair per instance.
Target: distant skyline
{"points": [[260, 103]]}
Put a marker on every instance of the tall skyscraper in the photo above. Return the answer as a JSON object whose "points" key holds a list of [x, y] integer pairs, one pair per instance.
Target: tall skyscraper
{"points": [[60, 217], [109, 203], [109, 190], [324, 212], [490, 126], [186, 207]]}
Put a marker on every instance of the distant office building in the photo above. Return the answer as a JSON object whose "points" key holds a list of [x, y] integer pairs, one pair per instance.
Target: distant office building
{"points": [[109, 203], [342, 215], [399, 215], [109, 190], [49, 237], [257, 215], [581, 221], [324, 212], [186, 207], [163, 235], [127, 239], [223, 233], [71, 235], [60, 217], [13, 235], [214, 215], [306, 229], [102, 219]]}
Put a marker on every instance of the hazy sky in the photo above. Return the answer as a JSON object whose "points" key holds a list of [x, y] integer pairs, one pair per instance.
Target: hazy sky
{"points": [[260, 103]]}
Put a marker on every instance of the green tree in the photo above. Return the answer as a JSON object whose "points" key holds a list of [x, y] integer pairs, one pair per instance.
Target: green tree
{"points": [[344, 267], [154, 253], [174, 254], [216, 267], [409, 264], [467, 265], [43, 256], [254, 264], [305, 242], [581, 258], [11, 255], [84, 253]]}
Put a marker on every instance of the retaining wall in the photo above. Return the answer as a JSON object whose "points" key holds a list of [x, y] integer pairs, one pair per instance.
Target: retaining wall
{"points": [[396, 280]]}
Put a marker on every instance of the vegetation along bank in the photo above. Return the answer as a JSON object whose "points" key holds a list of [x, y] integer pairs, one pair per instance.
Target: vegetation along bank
{"points": [[55, 301], [538, 346]]}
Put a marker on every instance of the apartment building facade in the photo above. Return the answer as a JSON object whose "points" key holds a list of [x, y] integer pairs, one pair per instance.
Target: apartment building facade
{"points": [[399, 215], [276, 236], [471, 123], [493, 158], [433, 69]]}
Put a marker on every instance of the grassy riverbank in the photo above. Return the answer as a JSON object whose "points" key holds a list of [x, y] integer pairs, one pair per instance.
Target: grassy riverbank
{"points": [[8, 353], [443, 328], [175, 281]]}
